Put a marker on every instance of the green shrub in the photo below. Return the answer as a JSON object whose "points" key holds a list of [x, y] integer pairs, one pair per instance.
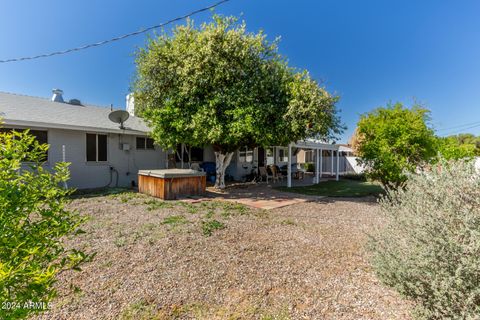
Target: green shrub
{"points": [[309, 167], [33, 219], [355, 176], [429, 249], [393, 141]]}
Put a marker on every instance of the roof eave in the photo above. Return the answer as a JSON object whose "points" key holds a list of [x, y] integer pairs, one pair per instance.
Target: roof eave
{"points": [[44, 125]]}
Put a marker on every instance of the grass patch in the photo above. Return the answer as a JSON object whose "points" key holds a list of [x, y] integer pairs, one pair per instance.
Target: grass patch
{"points": [[189, 207], [342, 188], [141, 311], [288, 222], [209, 226], [175, 220], [153, 204], [99, 192]]}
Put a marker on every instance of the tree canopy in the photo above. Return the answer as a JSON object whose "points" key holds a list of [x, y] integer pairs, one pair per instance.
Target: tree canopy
{"points": [[394, 140], [220, 85], [464, 145]]}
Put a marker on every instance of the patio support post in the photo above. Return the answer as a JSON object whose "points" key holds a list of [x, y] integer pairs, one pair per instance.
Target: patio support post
{"points": [[321, 163], [289, 166], [338, 158], [317, 168], [331, 158]]}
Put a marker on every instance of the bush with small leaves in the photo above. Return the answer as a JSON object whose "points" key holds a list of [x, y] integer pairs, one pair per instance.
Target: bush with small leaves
{"points": [[429, 249], [33, 221], [393, 141]]}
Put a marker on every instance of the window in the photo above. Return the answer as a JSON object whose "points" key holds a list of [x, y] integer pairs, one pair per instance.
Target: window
{"points": [[309, 156], [40, 135], [270, 156], [144, 143], [282, 155], [246, 155], [196, 154], [189, 154], [96, 147]]}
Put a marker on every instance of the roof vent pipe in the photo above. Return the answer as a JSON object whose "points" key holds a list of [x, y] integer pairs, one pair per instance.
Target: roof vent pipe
{"points": [[57, 95]]}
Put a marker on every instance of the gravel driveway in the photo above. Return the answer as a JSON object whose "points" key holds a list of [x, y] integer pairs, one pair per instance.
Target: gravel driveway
{"points": [[216, 260]]}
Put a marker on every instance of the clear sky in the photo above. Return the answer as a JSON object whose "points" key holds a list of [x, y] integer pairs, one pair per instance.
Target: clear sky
{"points": [[368, 52]]}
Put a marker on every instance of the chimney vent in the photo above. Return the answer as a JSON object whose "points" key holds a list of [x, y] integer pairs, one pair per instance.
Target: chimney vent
{"points": [[57, 95], [130, 104]]}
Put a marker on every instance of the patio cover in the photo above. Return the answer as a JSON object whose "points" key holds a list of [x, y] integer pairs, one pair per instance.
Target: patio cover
{"points": [[317, 145]]}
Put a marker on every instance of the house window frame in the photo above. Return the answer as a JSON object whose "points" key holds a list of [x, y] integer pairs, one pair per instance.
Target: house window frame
{"points": [[283, 158], [247, 153], [309, 156], [96, 148], [145, 144], [187, 154]]}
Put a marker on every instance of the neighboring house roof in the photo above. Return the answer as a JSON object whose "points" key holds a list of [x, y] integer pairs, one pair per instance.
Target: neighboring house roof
{"points": [[345, 148], [21, 110]]}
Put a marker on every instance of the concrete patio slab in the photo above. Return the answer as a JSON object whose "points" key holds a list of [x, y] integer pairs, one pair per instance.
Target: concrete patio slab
{"points": [[260, 196]]}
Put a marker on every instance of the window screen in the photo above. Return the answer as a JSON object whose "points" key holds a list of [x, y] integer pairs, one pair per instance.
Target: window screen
{"points": [[150, 144], [140, 143], [145, 143], [196, 154], [246, 155], [91, 147], [102, 147]]}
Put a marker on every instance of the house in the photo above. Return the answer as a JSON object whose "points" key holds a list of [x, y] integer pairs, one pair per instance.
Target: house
{"points": [[101, 154], [104, 154]]}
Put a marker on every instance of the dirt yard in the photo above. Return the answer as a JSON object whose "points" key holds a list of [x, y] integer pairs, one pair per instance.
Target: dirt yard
{"points": [[218, 260]]}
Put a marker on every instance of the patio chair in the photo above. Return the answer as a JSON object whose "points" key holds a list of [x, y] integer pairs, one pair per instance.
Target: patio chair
{"points": [[276, 174], [264, 174], [281, 174]]}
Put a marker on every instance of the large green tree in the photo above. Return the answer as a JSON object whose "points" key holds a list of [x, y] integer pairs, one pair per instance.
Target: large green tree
{"points": [[220, 85], [394, 140]]}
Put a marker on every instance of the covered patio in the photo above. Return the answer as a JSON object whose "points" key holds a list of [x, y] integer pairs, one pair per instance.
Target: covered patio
{"points": [[318, 148], [300, 163]]}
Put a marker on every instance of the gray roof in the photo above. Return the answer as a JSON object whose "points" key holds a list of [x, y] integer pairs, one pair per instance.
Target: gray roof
{"points": [[24, 110]]}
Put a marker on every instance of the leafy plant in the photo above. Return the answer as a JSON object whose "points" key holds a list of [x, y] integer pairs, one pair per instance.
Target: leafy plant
{"points": [[33, 220], [392, 141], [310, 167], [209, 226], [453, 148], [429, 249], [355, 176], [153, 204], [222, 86]]}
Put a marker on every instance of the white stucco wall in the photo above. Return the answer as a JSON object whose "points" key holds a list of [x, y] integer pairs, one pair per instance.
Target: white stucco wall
{"points": [[85, 174]]}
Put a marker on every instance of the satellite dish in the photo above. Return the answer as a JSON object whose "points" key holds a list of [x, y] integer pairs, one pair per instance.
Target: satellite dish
{"points": [[119, 116]]}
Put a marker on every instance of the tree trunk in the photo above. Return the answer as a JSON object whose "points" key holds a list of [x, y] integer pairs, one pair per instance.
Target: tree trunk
{"points": [[222, 161]]}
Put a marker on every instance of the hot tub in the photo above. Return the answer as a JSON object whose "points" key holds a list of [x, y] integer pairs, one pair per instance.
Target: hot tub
{"points": [[168, 184]]}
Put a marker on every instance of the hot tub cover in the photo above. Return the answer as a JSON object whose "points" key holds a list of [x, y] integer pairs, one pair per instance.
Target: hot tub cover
{"points": [[171, 173]]}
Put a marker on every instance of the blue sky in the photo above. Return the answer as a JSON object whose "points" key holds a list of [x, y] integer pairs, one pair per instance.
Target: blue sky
{"points": [[368, 52]]}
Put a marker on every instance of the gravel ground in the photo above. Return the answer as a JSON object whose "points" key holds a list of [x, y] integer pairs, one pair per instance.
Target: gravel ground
{"points": [[215, 260]]}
